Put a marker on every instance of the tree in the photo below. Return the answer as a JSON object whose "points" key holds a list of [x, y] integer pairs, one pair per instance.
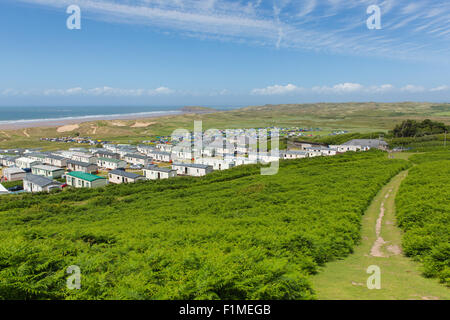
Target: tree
{"points": [[412, 128]]}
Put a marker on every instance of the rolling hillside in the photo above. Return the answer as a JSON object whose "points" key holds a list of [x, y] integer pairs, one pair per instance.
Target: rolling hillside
{"points": [[355, 117], [233, 234]]}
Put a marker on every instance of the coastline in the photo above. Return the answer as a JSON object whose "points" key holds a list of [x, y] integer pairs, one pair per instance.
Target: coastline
{"points": [[56, 122]]}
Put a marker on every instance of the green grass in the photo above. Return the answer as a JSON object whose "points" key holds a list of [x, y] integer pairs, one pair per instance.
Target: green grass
{"points": [[10, 184], [431, 143], [401, 278], [233, 234], [424, 215]]}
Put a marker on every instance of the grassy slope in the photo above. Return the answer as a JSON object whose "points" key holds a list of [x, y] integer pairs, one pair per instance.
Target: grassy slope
{"points": [[356, 117], [401, 278], [232, 234], [424, 215]]}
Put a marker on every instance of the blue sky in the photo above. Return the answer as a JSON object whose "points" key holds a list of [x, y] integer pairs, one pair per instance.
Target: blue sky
{"points": [[222, 52]]}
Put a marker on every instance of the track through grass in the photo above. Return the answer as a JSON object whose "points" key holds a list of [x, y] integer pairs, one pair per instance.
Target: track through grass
{"points": [[401, 278]]}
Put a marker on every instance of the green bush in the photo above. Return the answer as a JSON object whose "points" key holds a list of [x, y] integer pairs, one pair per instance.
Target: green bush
{"points": [[423, 212], [233, 234]]}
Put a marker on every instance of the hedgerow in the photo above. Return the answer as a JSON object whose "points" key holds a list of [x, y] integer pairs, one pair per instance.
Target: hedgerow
{"points": [[233, 234]]}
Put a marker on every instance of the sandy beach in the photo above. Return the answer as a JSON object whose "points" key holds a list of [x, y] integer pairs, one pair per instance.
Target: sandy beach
{"points": [[70, 124]]}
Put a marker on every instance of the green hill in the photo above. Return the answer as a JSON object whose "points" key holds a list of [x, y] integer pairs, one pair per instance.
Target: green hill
{"points": [[233, 234]]}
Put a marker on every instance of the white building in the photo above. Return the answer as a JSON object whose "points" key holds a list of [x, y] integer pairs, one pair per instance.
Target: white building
{"points": [[321, 151], [121, 176], [107, 154], [85, 167], [136, 158], [216, 163], [111, 164], [47, 171], [239, 161], [366, 144], [188, 169], [145, 149], [294, 154], [182, 155], [160, 156], [79, 179], [34, 183], [155, 173], [13, 174], [55, 160], [26, 163], [207, 152], [9, 161], [84, 157], [343, 148], [317, 151], [164, 147], [265, 157], [242, 149], [39, 157]]}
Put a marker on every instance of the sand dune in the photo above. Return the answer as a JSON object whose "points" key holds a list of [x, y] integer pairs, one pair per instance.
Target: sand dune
{"points": [[142, 124], [118, 124], [68, 128]]}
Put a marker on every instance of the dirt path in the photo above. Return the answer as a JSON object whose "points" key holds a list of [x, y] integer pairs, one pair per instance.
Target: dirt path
{"points": [[376, 250], [380, 246]]}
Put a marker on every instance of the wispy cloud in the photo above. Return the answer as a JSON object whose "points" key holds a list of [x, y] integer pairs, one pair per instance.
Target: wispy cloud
{"points": [[411, 30]]}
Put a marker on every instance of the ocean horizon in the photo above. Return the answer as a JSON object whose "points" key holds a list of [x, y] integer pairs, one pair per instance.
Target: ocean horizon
{"points": [[13, 115]]}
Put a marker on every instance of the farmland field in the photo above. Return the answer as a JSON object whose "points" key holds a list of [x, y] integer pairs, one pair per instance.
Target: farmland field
{"points": [[233, 234]]}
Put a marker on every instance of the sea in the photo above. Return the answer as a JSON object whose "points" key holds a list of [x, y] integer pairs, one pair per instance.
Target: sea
{"points": [[25, 115]]}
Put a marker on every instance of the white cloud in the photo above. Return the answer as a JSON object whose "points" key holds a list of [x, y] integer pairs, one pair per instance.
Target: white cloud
{"points": [[160, 90], [343, 88], [346, 87], [63, 92], [440, 88], [412, 88], [276, 90], [380, 89], [98, 91]]}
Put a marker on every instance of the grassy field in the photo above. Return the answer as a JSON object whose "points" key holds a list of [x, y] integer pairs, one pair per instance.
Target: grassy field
{"points": [[354, 117], [401, 277], [233, 234]]}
